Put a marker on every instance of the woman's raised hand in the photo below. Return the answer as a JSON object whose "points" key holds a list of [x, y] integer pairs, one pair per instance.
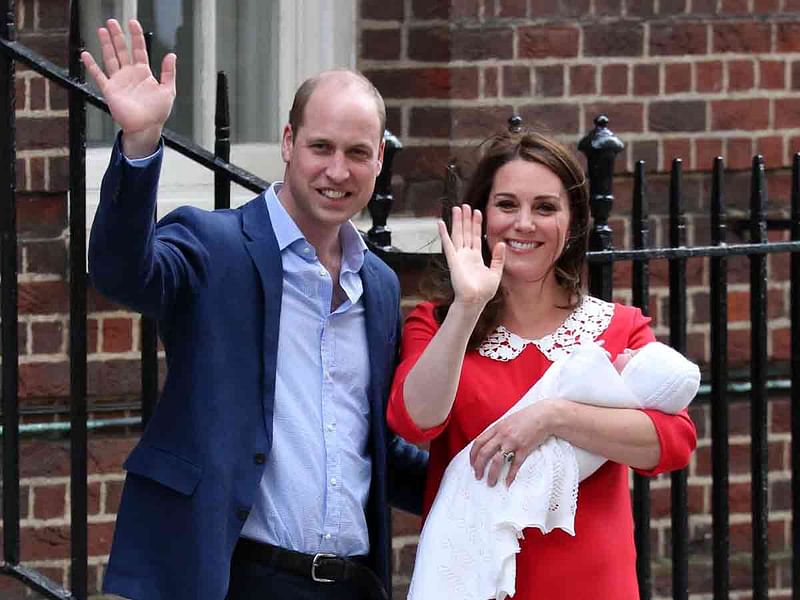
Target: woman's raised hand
{"points": [[138, 102], [473, 282]]}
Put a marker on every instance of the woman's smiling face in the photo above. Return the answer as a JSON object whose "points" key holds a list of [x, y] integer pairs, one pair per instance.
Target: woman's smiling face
{"points": [[528, 209]]}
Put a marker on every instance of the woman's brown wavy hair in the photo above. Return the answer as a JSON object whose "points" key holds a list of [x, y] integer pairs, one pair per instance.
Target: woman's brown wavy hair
{"points": [[498, 150]]}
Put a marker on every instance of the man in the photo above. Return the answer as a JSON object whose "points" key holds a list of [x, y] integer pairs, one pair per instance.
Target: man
{"points": [[263, 472]]}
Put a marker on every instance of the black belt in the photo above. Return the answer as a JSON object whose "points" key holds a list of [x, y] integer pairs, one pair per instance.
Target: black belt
{"points": [[321, 567]]}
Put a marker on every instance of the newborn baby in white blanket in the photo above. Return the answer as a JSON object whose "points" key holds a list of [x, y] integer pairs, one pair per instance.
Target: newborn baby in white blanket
{"points": [[468, 546]]}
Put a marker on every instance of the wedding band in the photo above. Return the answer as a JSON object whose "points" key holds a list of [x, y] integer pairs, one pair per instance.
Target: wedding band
{"points": [[508, 456]]}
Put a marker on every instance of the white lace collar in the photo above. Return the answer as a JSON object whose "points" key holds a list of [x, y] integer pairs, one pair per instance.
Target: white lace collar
{"points": [[585, 323]]}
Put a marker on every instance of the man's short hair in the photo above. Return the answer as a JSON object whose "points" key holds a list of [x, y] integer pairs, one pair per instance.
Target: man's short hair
{"points": [[306, 89]]}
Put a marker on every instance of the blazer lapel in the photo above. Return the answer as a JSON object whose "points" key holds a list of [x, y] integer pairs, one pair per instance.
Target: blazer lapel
{"points": [[263, 248], [377, 343]]}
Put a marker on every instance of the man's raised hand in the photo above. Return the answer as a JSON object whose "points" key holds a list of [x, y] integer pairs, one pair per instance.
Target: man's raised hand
{"points": [[138, 102]]}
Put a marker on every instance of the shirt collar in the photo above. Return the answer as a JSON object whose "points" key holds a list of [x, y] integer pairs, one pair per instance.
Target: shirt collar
{"points": [[288, 233]]}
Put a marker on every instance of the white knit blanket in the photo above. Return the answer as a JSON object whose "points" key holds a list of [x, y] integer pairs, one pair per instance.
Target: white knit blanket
{"points": [[468, 546]]}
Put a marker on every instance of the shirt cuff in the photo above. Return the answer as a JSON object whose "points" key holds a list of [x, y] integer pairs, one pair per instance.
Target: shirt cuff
{"points": [[143, 162]]}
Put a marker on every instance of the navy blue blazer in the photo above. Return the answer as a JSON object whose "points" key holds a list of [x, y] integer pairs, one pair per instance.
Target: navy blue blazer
{"points": [[214, 281]]}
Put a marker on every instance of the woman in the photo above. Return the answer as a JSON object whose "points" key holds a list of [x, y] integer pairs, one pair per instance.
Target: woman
{"points": [[512, 304]]}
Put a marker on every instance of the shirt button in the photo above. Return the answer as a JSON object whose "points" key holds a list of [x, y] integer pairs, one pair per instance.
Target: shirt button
{"points": [[332, 427], [306, 250], [242, 514], [259, 458], [333, 481], [323, 273], [327, 536]]}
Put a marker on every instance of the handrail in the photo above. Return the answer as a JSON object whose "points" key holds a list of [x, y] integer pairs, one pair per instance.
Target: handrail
{"points": [[181, 144]]}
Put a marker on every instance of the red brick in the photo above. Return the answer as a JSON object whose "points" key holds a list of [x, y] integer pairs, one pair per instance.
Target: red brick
{"points": [[43, 215], [548, 41], [772, 74], [431, 122], [114, 493], [582, 80], [430, 44], [771, 148], [709, 76], [512, 8], [607, 7], [48, 337], [640, 8], [740, 114], [433, 82], [37, 181], [53, 15], [59, 99], [46, 257], [459, 9], [796, 75], [766, 7], [93, 498], [20, 95], [661, 501], [623, 116], [405, 524], [646, 150], [646, 80], [43, 380], [739, 153], [787, 113], [780, 495], [549, 81], [705, 151], [380, 44], [383, 10], [781, 344], [430, 9], [516, 81], [59, 173], [490, 85], [20, 176], [678, 115], [43, 297], [115, 377], [615, 79], [37, 97], [562, 9], [734, 7], [52, 47], [557, 118], [745, 37], [676, 148], [117, 335], [672, 7], [677, 39], [480, 121], [786, 37], [46, 543], [49, 501], [781, 416], [741, 75], [106, 454], [100, 535], [35, 133], [677, 78], [482, 43], [614, 39]]}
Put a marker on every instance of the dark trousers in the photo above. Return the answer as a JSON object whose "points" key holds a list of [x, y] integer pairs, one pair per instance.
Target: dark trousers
{"points": [[252, 580]]}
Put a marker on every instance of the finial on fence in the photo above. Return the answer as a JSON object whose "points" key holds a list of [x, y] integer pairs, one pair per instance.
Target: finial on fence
{"points": [[601, 147], [380, 205], [514, 124]]}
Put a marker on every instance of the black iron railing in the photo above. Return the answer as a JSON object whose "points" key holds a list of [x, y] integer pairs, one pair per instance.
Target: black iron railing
{"points": [[601, 147]]}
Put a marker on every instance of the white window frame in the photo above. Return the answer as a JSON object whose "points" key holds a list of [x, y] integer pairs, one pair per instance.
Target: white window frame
{"points": [[314, 35]]}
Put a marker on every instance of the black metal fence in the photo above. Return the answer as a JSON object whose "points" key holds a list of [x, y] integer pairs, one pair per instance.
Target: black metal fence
{"points": [[600, 147]]}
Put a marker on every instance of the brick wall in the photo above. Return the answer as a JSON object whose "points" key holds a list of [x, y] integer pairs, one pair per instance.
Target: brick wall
{"points": [[690, 78]]}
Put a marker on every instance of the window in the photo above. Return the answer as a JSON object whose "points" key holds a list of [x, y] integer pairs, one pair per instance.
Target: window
{"points": [[267, 48]]}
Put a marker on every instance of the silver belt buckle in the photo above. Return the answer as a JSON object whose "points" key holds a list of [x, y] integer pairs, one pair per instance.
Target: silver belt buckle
{"points": [[315, 564]]}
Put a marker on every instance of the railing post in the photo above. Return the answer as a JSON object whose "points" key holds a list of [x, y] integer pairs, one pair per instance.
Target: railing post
{"points": [[77, 316], [380, 205], [222, 142], [601, 147], [8, 294]]}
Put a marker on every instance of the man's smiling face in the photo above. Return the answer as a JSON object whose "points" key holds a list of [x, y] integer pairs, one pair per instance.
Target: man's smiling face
{"points": [[334, 157]]}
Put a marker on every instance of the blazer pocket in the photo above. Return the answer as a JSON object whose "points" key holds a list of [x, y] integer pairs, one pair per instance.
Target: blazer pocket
{"points": [[165, 468]]}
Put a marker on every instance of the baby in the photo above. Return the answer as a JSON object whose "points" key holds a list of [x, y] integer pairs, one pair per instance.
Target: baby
{"points": [[468, 546]]}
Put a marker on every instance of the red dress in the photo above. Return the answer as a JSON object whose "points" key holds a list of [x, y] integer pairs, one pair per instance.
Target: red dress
{"points": [[599, 563]]}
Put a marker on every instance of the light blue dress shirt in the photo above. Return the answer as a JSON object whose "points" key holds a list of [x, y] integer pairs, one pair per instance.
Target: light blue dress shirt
{"points": [[316, 480], [315, 486]]}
